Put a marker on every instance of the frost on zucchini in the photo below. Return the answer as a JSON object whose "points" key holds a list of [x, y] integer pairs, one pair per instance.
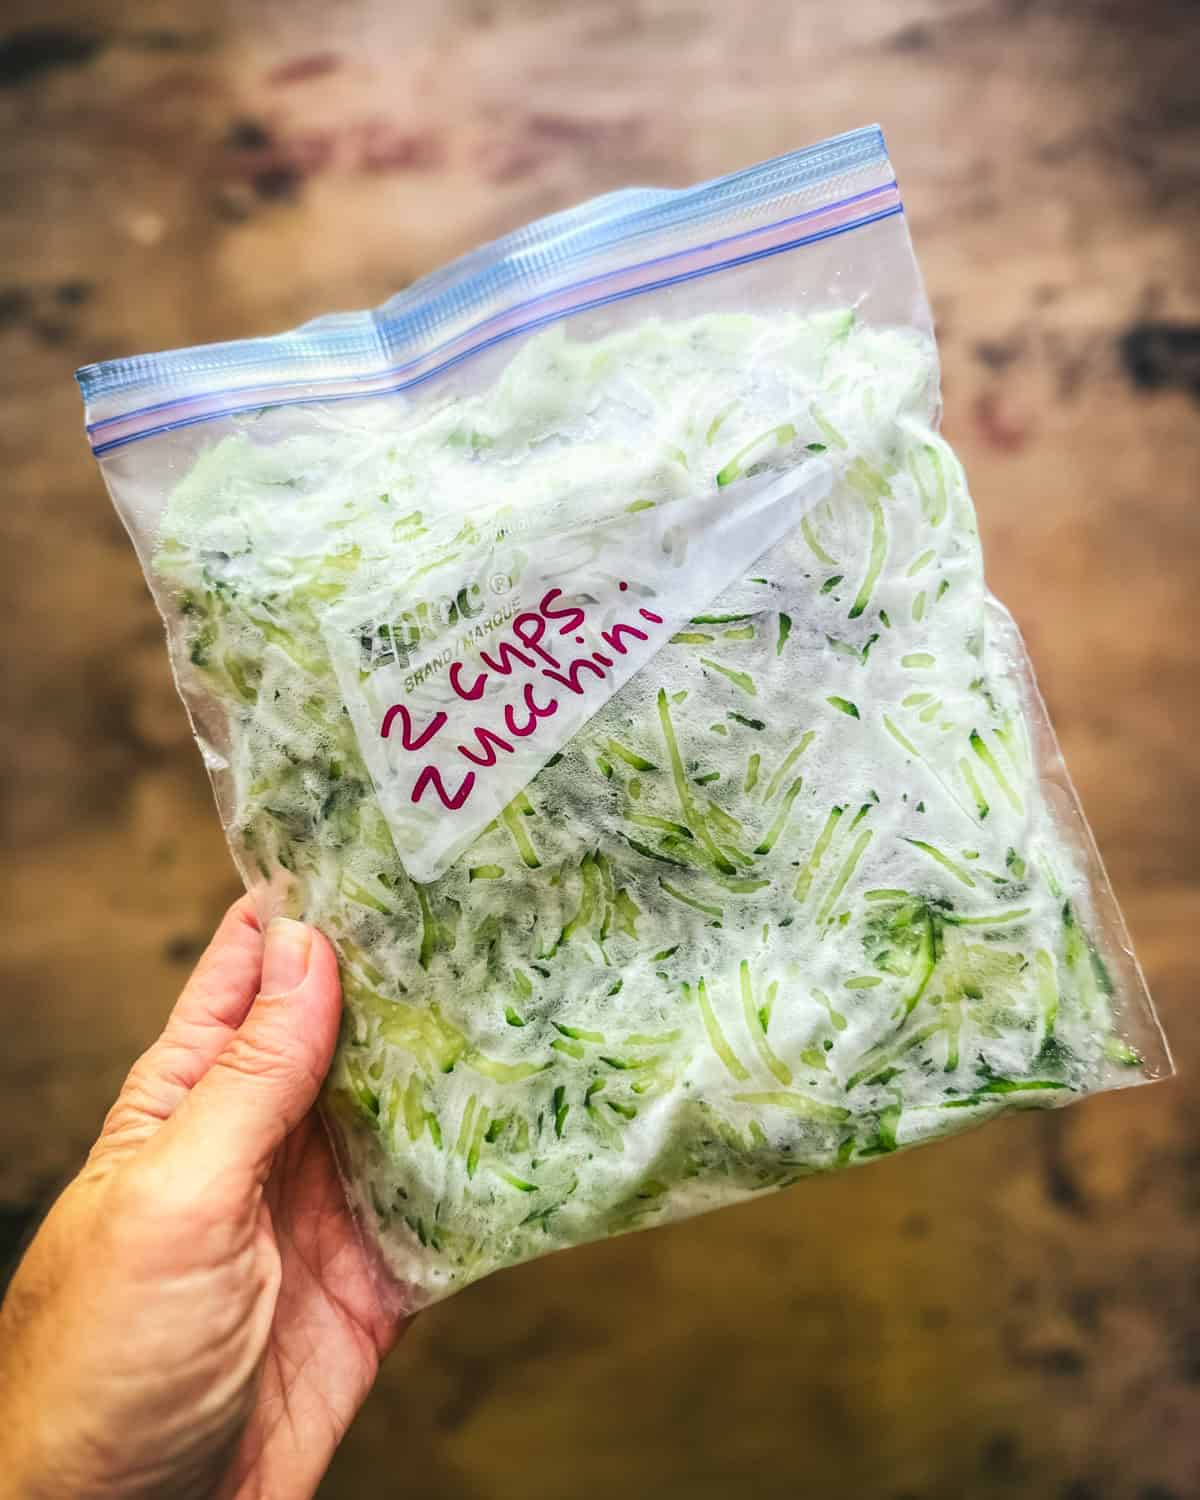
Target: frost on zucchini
{"points": [[791, 899]]}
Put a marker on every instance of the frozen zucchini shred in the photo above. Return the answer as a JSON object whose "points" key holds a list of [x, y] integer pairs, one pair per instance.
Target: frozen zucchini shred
{"points": [[799, 893]]}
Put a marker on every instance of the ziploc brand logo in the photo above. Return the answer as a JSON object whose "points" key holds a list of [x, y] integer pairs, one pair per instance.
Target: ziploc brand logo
{"points": [[425, 635], [457, 716]]}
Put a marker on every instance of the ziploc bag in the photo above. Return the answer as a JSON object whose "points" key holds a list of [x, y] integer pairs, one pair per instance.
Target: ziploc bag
{"points": [[594, 642]]}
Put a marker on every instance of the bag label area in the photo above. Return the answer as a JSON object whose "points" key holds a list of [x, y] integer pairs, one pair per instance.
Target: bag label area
{"points": [[463, 685]]}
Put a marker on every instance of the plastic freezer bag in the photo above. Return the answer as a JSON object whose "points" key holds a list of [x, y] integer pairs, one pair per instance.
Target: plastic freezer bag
{"points": [[594, 642]]}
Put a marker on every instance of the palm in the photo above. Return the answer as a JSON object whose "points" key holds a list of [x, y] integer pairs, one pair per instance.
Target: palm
{"points": [[334, 1322], [201, 1288]]}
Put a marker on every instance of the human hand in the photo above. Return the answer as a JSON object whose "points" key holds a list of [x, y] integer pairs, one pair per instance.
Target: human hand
{"points": [[197, 1316]]}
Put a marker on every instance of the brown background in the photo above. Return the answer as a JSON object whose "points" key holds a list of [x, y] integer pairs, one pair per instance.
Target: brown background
{"points": [[1013, 1313]]}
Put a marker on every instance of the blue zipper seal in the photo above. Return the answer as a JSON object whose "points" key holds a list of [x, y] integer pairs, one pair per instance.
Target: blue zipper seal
{"points": [[487, 279]]}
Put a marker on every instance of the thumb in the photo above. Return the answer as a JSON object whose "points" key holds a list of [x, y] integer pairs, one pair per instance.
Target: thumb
{"points": [[269, 1074]]}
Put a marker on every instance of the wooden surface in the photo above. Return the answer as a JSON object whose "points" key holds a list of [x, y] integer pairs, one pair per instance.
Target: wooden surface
{"points": [[1013, 1313]]}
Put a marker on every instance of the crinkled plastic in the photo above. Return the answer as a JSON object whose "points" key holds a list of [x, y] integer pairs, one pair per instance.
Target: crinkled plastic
{"points": [[594, 642]]}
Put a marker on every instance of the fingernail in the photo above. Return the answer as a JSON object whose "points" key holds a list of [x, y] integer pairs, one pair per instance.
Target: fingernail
{"points": [[285, 957]]}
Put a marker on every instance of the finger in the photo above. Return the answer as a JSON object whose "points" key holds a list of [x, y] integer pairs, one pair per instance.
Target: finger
{"points": [[213, 1004], [225, 981], [268, 1075]]}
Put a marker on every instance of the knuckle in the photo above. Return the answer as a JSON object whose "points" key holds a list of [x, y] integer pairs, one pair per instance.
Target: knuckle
{"points": [[140, 1073], [145, 1100], [142, 1090], [265, 1053]]}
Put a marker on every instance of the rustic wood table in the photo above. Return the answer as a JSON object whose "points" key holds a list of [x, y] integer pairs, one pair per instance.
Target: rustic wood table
{"points": [[1014, 1312]]}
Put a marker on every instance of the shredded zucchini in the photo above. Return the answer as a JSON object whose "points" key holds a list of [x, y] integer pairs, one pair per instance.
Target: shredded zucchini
{"points": [[777, 907]]}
